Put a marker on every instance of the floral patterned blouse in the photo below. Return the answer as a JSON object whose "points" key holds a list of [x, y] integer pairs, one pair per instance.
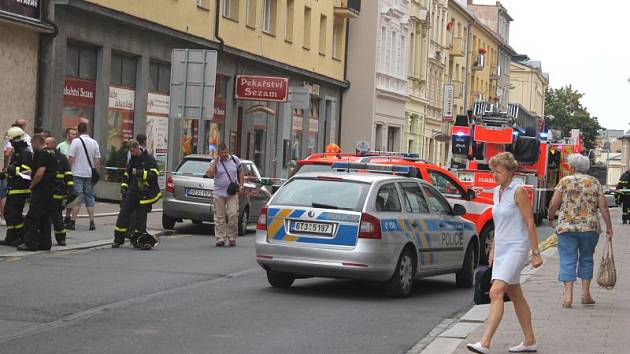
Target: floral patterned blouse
{"points": [[580, 201]]}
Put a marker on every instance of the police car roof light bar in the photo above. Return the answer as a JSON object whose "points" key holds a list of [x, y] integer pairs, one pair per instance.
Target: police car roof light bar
{"points": [[411, 155]]}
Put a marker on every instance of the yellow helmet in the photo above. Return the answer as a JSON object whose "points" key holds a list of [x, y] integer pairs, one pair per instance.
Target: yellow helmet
{"points": [[15, 133]]}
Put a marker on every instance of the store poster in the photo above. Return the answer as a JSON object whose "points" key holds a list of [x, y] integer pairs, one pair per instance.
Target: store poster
{"points": [[157, 131], [78, 102], [120, 123]]}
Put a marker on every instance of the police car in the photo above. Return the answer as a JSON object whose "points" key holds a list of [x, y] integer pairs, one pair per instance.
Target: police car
{"points": [[380, 227]]}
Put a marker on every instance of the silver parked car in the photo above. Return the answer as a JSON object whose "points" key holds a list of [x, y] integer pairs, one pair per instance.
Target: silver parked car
{"points": [[377, 227], [189, 194]]}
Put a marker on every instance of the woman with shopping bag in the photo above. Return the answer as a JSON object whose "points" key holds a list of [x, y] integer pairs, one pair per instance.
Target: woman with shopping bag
{"points": [[579, 197]]}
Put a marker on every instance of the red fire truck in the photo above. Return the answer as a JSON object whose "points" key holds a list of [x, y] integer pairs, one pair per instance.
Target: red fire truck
{"points": [[485, 132]]}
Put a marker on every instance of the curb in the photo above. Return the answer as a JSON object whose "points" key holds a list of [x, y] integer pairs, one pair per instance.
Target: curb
{"points": [[78, 246], [447, 340], [115, 213]]}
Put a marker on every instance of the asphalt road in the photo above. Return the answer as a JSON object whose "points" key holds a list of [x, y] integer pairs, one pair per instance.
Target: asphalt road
{"points": [[189, 297]]}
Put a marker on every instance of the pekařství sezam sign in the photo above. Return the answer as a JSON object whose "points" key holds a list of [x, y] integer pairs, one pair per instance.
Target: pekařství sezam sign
{"points": [[25, 8], [261, 88]]}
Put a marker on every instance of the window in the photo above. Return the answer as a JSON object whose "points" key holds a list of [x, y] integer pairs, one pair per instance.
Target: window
{"points": [[392, 139], [387, 199], [307, 28], [250, 13], [323, 27], [437, 203], [401, 56], [203, 4], [160, 77], [337, 47], [382, 54], [414, 199], [289, 24], [309, 192], [446, 185], [81, 61], [269, 16], [378, 136], [123, 70], [230, 9], [391, 65]]}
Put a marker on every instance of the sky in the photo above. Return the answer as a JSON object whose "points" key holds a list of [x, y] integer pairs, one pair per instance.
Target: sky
{"points": [[581, 43]]}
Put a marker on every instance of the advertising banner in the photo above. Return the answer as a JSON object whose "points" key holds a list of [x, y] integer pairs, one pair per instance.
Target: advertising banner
{"points": [[261, 88], [447, 104], [25, 8]]}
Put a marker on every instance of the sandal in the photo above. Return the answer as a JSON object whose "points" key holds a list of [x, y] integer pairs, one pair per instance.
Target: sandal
{"points": [[588, 301], [567, 304]]}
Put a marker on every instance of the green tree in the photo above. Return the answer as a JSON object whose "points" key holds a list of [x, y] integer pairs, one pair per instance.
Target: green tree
{"points": [[569, 113]]}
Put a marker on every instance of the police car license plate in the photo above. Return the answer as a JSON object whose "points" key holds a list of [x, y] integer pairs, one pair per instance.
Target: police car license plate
{"points": [[311, 228], [203, 193]]}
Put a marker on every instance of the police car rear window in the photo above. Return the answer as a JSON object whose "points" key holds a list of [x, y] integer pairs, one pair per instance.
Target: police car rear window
{"points": [[194, 166], [310, 168], [318, 193]]}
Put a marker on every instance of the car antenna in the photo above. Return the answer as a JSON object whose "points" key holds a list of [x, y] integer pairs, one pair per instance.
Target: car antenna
{"points": [[348, 166]]}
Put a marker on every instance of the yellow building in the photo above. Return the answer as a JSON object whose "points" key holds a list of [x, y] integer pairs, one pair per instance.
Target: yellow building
{"points": [[118, 53], [483, 59], [460, 23], [528, 84]]}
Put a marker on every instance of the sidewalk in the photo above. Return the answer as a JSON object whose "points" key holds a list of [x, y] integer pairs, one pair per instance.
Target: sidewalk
{"points": [[82, 238], [602, 328]]}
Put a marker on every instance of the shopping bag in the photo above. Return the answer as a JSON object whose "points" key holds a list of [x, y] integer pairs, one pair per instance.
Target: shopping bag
{"points": [[483, 278], [607, 274]]}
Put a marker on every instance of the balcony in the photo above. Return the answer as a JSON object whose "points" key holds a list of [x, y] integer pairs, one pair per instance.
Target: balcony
{"points": [[495, 72], [347, 8], [457, 47], [479, 62], [458, 89]]}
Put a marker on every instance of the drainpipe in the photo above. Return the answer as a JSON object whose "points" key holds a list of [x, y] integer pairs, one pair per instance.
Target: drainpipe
{"points": [[345, 73], [216, 25], [468, 53], [41, 67]]}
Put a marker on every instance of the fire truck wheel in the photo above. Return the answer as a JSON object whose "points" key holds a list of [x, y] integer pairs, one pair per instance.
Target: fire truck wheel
{"points": [[485, 240]]}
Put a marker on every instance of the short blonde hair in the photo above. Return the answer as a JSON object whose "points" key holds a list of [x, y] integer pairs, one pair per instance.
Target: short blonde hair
{"points": [[505, 160]]}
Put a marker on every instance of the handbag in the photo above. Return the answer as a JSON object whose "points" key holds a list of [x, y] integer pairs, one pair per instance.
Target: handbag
{"points": [[483, 278], [233, 187], [95, 175], [607, 274]]}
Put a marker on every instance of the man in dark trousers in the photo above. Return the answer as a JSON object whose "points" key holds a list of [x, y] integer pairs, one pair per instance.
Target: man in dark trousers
{"points": [[623, 195], [64, 190], [140, 190], [39, 217], [18, 170]]}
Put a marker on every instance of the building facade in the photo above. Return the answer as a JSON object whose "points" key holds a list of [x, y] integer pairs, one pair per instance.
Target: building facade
{"points": [[460, 24], [484, 47], [111, 65], [528, 84], [374, 109], [21, 28]]}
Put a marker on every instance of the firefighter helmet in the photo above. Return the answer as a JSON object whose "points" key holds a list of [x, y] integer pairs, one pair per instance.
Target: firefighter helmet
{"points": [[144, 241], [15, 133], [333, 148]]}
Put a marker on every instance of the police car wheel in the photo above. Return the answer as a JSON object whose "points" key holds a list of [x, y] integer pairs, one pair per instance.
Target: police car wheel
{"points": [[401, 283], [242, 222], [485, 240], [464, 277], [279, 280]]}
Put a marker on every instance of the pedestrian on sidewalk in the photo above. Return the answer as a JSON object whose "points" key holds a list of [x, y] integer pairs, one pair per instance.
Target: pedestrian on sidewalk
{"points": [[63, 147], [228, 179], [37, 234], [84, 153], [514, 236], [579, 197]]}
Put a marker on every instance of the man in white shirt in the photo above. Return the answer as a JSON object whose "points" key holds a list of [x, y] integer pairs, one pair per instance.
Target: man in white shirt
{"points": [[83, 172]]}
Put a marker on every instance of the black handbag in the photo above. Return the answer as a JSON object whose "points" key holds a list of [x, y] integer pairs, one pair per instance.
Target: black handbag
{"points": [[483, 278], [95, 175], [233, 187]]}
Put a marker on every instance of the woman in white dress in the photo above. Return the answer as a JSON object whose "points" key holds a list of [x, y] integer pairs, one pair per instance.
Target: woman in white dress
{"points": [[514, 236]]}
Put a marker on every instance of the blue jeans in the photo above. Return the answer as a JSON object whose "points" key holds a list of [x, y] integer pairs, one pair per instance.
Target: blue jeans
{"points": [[3, 188], [576, 253], [85, 191]]}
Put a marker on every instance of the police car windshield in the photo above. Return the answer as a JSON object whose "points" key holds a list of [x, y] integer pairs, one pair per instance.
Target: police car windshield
{"points": [[299, 169], [194, 166], [311, 192]]}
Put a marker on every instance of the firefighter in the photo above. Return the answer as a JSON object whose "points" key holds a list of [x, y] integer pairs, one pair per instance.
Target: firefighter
{"points": [[64, 190], [18, 187], [623, 195], [140, 190], [40, 212]]}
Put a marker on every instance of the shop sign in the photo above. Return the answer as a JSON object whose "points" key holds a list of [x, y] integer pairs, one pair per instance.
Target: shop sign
{"points": [[25, 8], [158, 104], [447, 104], [261, 88], [79, 93], [121, 98], [219, 110]]}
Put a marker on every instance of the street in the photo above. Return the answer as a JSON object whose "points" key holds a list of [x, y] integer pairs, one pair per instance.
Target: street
{"points": [[188, 297]]}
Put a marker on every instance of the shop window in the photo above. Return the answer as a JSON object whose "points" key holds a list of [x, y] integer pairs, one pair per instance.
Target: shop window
{"points": [[337, 46], [81, 61], [289, 18], [296, 135], [230, 9], [269, 16], [123, 70], [160, 77], [323, 27], [313, 127], [250, 13], [307, 28]]}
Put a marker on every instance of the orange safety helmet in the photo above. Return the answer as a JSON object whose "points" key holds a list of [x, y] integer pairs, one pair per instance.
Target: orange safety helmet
{"points": [[333, 148]]}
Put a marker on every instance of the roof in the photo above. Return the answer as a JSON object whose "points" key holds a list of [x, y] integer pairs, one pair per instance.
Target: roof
{"points": [[352, 176]]}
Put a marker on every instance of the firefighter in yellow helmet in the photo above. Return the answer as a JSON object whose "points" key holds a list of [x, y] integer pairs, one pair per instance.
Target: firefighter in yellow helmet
{"points": [[333, 148]]}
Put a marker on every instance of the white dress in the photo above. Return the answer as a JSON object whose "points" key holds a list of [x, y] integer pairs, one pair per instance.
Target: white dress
{"points": [[511, 238]]}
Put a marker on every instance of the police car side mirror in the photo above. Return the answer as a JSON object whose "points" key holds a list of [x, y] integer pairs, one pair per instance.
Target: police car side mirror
{"points": [[459, 210], [470, 194]]}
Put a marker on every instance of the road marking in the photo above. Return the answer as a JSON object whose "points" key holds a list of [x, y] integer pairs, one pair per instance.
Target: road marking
{"points": [[176, 236]]}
